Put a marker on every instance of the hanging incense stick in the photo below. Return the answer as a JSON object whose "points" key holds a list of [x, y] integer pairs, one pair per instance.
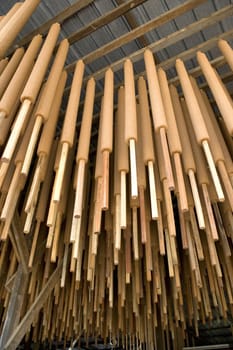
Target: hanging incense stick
{"points": [[131, 124], [46, 101], [158, 112], [173, 138], [122, 155], [198, 123], [29, 95], [222, 98], [147, 144], [226, 51], [68, 130], [107, 134], [15, 23]]}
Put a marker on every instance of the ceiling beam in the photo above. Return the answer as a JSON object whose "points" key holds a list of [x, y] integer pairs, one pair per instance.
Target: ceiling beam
{"points": [[170, 40], [186, 55], [130, 18], [103, 20], [137, 32], [195, 72]]}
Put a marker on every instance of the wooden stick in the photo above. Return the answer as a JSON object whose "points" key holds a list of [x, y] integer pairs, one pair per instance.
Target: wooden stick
{"points": [[73, 230], [220, 94], [128, 256], [123, 221], [133, 169], [3, 171], [94, 244], [135, 233], [105, 183], [97, 207], [160, 230], [167, 160], [182, 228], [60, 172], [10, 214], [29, 218], [52, 213], [116, 256], [56, 237], [196, 235], [79, 266], [212, 250], [77, 242], [169, 254], [11, 193], [51, 235], [169, 209], [226, 51], [31, 145], [196, 198], [142, 215], [14, 136], [78, 206], [2, 116], [209, 211], [117, 221], [34, 242], [173, 250], [180, 183], [213, 170], [35, 183], [223, 236], [226, 182], [153, 197], [64, 266]]}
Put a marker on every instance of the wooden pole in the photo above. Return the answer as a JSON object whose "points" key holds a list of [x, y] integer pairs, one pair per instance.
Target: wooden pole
{"points": [[158, 112], [131, 124], [46, 102], [175, 146], [226, 51], [221, 96], [147, 143], [15, 23], [122, 154], [31, 90], [198, 124], [107, 134], [68, 130]]}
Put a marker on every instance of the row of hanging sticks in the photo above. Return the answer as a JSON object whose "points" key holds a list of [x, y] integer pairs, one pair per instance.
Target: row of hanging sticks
{"points": [[145, 236]]}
